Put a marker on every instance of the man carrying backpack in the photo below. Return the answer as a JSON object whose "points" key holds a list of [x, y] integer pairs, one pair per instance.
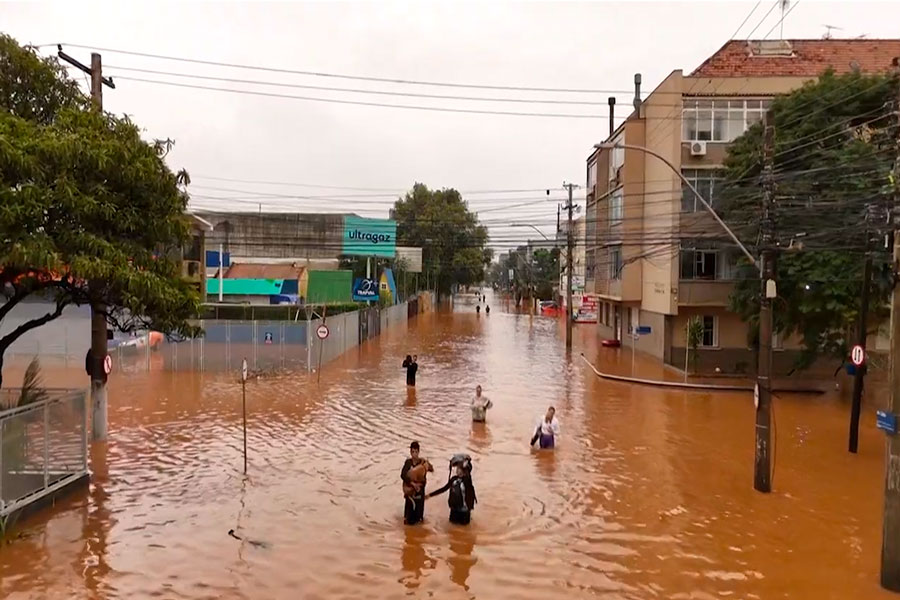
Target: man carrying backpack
{"points": [[461, 499]]}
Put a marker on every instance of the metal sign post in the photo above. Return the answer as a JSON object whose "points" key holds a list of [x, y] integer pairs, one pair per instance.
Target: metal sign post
{"points": [[244, 373], [322, 334]]}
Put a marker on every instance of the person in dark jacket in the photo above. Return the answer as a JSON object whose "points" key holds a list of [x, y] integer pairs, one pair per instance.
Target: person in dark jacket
{"points": [[462, 498], [414, 508], [411, 366]]}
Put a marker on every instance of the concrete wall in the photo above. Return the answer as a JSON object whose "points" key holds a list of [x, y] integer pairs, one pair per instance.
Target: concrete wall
{"points": [[276, 235]]}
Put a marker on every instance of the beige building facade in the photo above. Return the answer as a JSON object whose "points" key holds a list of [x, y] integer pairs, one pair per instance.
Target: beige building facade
{"points": [[653, 253]]}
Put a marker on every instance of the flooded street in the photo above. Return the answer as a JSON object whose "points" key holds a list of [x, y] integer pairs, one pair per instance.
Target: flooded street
{"points": [[648, 494]]}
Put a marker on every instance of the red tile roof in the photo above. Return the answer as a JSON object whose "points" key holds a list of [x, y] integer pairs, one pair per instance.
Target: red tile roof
{"points": [[809, 58], [264, 271]]}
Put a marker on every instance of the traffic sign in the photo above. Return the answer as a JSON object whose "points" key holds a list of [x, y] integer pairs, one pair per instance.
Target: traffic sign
{"points": [[858, 355], [244, 370], [322, 331], [107, 364]]}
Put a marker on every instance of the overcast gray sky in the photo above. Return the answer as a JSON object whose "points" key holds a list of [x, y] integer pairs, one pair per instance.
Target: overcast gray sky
{"points": [[588, 45]]}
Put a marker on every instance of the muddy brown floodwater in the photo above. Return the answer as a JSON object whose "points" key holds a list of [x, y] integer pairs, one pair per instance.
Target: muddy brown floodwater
{"points": [[648, 494]]}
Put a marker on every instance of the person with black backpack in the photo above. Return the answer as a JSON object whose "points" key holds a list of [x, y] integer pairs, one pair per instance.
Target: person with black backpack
{"points": [[461, 498]]}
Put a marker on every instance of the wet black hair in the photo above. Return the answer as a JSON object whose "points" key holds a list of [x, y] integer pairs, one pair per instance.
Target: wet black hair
{"points": [[408, 357], [414, 446]]}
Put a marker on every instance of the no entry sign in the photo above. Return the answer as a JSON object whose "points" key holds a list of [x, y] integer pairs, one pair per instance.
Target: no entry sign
{"points": [[322, 331], [858, 355]]}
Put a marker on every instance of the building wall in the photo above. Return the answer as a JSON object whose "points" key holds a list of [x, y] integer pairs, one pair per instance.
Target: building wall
{"points": [[662, 189], [276, 235]]}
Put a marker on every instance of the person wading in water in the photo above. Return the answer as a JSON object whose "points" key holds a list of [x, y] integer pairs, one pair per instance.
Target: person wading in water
{"points": [[411, 366], [462, 498], [547, 430], [414, 508], [480, 405]]}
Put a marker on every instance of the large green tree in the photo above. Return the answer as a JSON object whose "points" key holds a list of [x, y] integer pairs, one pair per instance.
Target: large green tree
{"points": [[454, 243], [834, 148], [84, 199]]}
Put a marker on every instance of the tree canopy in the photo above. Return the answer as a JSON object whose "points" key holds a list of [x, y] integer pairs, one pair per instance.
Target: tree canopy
{"points": [[832, 157], [454, 243], [89, 212]]}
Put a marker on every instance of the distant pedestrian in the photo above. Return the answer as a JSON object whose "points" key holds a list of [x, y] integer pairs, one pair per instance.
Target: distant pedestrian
{"points": [[411, 366], [487, 310], [547, 430], [478, 309], [480, 405]]}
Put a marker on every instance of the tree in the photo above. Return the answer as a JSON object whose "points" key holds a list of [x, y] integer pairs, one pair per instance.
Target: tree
{"points": [[545, 266], [832, 159], [453, 242], [89, 212]]}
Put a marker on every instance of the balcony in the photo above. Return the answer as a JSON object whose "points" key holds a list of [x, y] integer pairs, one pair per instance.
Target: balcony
{"points": [[702, 292], [610, 288]]}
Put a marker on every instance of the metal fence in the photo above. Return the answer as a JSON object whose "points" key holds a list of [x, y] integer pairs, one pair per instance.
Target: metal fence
{"points": [[43, 446], [267, 345]]}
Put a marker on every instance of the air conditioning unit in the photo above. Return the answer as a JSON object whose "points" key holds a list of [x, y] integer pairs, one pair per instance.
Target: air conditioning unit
{"points": [[698, 148]]}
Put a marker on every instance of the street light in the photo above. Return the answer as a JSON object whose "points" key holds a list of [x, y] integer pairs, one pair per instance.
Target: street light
{"points": [[533, 227], [609, 146]]}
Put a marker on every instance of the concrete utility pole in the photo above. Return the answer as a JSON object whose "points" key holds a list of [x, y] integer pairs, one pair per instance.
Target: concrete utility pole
{"points": [[570, 242], [98, 349], [762, 466], [859, 376], [890, 537]]}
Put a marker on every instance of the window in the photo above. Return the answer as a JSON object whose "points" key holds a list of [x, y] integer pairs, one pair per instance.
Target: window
{"points": [[606, 314], [616, 158], [710, 338], [616, 207], [777, 341], [592, 174], [719, 120], [703, 260], [705, 181], [615, 262]]}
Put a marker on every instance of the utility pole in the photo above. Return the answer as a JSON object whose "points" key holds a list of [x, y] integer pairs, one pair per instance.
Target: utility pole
{"points": [[890, 537], [570, 242], [762, 459], [98, 349], [859, 376]]}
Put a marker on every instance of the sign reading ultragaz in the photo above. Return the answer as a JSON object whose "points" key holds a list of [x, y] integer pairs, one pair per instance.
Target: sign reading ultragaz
{"points": [[369, 237]]}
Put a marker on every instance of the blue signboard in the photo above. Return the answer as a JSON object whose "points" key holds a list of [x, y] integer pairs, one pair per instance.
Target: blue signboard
{"points": [[643, 330], [369, 237], [365, 290], [886, 421]]}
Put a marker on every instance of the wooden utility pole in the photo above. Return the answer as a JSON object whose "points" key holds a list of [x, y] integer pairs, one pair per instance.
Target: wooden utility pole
{"points": [[570, 242], [859, 376], [762, 460], [890, 538], [99, 347]]}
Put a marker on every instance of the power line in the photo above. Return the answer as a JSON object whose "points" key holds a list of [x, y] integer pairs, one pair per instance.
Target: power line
{"points": [[766, 16], [364, 103], [352, 77], [747, 18], [781, 20], [357, 90]]}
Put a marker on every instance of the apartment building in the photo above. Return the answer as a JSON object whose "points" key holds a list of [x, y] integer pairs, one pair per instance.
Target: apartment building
{"points": [[652, 254]]}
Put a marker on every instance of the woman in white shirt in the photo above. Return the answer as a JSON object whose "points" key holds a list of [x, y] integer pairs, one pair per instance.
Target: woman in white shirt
{"points": [[547, 430]]}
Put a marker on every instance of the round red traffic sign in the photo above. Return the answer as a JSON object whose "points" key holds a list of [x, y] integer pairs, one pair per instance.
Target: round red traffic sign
{"points": [[107, 364], [858, 355], [322, 331]]}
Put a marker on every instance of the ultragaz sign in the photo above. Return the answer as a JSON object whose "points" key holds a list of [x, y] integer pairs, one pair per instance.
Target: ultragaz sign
{"points": [[369, 237]]}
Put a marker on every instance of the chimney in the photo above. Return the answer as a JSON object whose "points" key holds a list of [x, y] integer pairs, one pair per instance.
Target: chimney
{"points": [[612, 114], [637, 92]]}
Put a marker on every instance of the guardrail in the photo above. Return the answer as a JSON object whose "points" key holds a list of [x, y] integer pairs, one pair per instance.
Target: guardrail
{"points": [[43, 446]]}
